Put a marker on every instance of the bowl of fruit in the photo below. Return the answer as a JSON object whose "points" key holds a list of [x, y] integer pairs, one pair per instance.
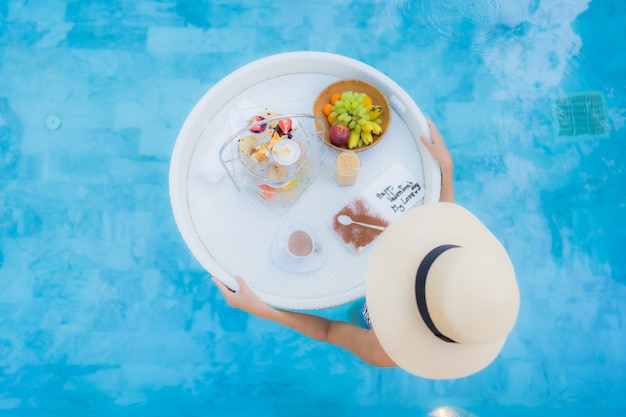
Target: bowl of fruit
{"points": [[356, 114]]}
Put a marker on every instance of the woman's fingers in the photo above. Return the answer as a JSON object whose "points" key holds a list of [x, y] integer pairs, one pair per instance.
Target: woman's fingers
{"points": [[241, 282], [220, 285]]}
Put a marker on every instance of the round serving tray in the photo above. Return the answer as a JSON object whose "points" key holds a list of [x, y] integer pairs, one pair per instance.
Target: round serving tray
{"points": [[230, 232]]}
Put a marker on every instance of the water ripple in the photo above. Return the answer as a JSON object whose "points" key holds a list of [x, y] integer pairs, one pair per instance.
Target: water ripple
{"points": [[462, 20]]}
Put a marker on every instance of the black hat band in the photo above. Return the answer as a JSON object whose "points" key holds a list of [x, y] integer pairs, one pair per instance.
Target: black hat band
{"points": [[420, 289]]}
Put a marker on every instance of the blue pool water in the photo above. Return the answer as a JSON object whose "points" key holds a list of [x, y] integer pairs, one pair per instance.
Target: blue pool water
{"points": [[103, 310]]}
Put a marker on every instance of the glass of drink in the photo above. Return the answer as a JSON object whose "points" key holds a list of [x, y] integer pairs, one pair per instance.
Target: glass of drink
{"points": [[347, 167]]}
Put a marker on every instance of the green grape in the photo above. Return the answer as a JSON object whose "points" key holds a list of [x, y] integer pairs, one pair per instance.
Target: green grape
{"points": [[351, 111], [333, 114]]}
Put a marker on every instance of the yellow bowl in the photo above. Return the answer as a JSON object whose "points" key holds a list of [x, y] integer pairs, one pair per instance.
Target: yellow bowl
{"points": [[358, 86]]}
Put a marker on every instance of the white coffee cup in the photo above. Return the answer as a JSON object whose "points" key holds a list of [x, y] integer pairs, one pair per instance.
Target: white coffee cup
{"points": [[300, 244]]}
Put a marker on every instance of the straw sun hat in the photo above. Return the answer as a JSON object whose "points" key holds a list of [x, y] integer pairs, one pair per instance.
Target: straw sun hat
{"points": [[441, 292]]}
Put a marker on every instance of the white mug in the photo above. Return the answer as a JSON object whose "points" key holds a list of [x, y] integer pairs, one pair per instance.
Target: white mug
{"points": [[300, 244]]}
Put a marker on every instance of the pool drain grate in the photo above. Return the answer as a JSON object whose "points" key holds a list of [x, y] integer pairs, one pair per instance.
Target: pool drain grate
{"points": [[581, 115]]}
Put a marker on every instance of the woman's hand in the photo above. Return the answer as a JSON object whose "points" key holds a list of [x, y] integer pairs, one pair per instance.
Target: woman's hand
{"points": [[437, 147], [244, 299], [440, 153]]}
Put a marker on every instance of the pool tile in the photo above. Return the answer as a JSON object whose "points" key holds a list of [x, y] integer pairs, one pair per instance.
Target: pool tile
{"points": [[197, 41]]}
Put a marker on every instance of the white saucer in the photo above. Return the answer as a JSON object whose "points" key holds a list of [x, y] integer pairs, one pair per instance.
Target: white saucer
{"points": [[283, 259]]}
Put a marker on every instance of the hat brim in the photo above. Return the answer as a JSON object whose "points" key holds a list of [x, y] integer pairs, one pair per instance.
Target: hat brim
{"points": [[390, 290]]}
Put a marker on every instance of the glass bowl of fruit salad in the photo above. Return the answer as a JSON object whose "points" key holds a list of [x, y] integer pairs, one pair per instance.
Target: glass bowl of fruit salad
{"points": [[356, 114]]}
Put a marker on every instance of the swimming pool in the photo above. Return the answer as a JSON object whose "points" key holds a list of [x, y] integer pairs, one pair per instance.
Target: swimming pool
{"points": [[105, 311]]}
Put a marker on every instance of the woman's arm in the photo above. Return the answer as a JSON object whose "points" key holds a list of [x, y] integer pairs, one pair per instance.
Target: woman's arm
{"points": [[440, 153], [362, 342]]}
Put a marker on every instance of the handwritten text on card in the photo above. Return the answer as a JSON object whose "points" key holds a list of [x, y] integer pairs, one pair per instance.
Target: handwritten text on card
{"points": [[399, 195]]}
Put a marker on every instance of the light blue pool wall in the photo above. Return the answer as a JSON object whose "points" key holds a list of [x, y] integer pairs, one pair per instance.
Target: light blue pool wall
{"points": [[104, 311]]}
